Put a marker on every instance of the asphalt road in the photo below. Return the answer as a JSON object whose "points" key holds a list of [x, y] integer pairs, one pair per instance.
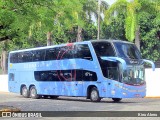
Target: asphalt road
{"points": [[79, 104]]}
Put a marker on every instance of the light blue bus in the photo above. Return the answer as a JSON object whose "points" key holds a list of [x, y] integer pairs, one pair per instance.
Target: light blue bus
{"points": [[93, 69]]}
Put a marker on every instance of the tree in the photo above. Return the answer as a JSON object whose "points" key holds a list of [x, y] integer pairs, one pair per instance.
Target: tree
{"points": [[132, 11], [102, 6], [150, 43], [22, 21], [90, 8], [115, 30]]}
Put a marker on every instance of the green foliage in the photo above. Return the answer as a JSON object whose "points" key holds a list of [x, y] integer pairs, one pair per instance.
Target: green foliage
{"points": [[141, 13], [114, 9], [132, 11], [115, 30], [90, 31], [26, 23], [131, 22], [149, 41]]}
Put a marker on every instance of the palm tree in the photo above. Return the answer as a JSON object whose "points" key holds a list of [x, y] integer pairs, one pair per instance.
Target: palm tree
{"points": [[102, 6], [132, 11], [90, 7]]}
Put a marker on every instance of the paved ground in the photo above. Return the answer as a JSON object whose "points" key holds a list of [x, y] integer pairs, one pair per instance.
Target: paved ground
{"points": [[79, 104]]}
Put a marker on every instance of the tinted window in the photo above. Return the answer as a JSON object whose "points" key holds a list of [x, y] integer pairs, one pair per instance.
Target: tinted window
{"points": [[38, 55], [65, 75], [103, 49], [66, 52], [82, 51], [109, 69], [20, 57], [26, 56], [13, 57], [127, 50], [51, 54]]}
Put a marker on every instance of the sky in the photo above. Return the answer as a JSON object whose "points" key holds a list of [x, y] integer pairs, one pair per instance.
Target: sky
{"points": [[110, 1]]}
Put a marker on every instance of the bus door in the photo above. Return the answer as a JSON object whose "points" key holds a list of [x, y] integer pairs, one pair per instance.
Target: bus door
{"points": [[113, 82], [113, 71]]}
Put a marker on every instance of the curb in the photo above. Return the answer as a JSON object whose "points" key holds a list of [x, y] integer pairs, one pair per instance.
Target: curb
{"points": [[152, 97]]}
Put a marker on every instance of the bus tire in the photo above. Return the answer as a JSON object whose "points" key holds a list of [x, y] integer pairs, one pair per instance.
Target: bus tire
{"points": [[116, 99], [94, 95], [25, 92], [33, 93]]}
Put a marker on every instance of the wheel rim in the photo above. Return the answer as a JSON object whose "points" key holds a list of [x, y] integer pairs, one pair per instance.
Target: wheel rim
{"points": [[94, 95], [24, 91], [33, 92]]}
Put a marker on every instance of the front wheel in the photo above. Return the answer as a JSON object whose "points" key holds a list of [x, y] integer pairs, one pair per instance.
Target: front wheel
{"points": [[94, 95], [116, 99], [33, 93]]}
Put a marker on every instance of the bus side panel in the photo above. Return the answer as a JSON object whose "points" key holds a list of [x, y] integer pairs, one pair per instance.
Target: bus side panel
{"points": [[13, 82]]}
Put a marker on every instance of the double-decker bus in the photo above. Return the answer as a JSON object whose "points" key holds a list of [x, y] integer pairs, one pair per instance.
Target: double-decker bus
{"points": [[93, 69]]}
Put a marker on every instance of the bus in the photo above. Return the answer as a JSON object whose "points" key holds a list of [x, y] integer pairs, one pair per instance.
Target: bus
{"points": [[93, 69]]}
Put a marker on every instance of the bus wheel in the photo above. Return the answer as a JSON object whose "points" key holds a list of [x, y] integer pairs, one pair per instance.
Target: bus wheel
{"points": [[94, 95], [116, 99], [25, 92], [33, 93]]}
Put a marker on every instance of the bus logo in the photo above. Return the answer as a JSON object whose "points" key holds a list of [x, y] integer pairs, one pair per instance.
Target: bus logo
{"points": [[88, 74], [6, 114]]}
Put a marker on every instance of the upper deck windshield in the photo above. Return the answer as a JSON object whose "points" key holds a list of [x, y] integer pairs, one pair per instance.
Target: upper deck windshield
{"points": [[127, 50]]}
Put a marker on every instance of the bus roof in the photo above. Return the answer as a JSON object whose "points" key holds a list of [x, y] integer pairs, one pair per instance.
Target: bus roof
{"points": [[111, 41], [67, 44]]}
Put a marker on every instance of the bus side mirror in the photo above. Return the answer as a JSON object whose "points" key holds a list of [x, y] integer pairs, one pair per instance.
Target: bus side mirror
{"points": [[116, 59], [152, 63]]}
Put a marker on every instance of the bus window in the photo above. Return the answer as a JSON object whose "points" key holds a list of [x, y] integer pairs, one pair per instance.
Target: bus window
{"points": [[38, 55], [103, 49], [82, 51], [13, 57], [66, 52], [20, 57], [126, 50], [51, 54], [27, 56], [109, 68]]}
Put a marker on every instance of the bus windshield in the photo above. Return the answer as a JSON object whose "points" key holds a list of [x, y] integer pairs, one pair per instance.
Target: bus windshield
{"points": [[126, 50], [134, 75]]}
